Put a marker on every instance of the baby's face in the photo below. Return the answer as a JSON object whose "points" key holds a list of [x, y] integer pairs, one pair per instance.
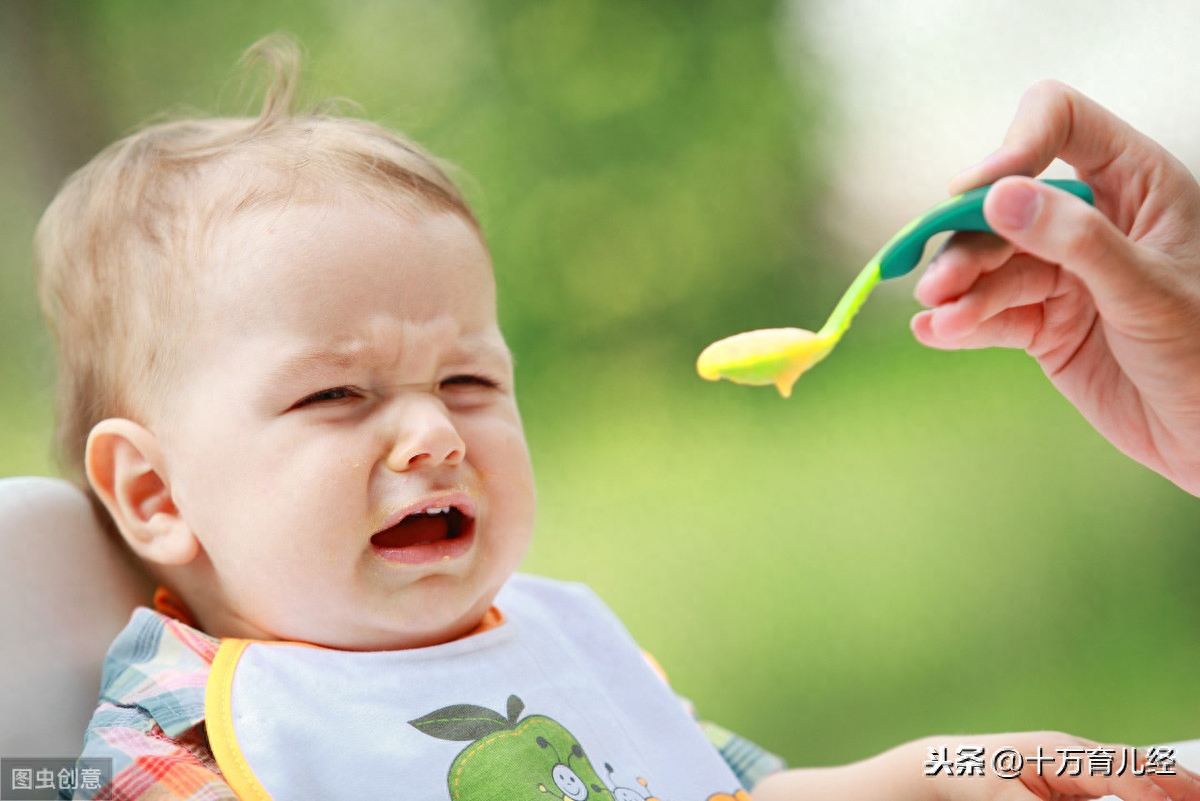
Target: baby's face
{"points": [[344, 442]]}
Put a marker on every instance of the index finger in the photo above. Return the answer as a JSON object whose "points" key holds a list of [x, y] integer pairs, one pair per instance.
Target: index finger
{"points": [[1052, 121]]}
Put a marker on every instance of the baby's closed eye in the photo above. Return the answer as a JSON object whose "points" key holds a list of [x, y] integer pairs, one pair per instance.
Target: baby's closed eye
{"points": [[469, 380], [460, 383], [327, 395]]}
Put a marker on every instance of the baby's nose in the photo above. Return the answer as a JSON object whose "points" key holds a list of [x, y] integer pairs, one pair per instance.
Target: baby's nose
{"points": [[426, 437]]}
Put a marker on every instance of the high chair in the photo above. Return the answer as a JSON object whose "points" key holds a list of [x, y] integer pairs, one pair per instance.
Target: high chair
{"points": [[66, 590]]}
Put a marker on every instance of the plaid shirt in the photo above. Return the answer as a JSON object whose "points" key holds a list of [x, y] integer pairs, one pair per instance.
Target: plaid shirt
{"points": [[150, 719]]}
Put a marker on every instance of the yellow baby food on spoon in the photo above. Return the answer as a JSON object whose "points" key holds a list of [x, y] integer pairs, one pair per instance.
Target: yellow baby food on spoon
{"points": [[768, 356], [779, 356]]}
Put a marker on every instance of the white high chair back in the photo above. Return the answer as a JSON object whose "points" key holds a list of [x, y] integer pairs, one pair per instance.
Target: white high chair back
{"points": [[66, 590]]}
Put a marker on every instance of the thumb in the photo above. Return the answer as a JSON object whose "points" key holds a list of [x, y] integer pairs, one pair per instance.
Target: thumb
{"points": [[1059, 228]]}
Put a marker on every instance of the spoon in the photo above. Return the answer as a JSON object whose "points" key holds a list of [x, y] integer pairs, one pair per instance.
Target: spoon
{"points": [[780, 355]]}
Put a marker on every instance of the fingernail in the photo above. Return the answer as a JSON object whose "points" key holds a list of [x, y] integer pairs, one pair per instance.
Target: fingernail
{"points": [[978, 166], [1016, 206], [979, 163]]}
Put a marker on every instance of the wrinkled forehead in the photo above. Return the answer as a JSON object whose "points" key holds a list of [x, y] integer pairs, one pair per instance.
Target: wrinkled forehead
{"points": [[329, 265], [243, 204], [350, 283]]}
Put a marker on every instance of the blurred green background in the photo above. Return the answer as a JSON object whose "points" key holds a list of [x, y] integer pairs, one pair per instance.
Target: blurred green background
{"points": [[914, 543]]}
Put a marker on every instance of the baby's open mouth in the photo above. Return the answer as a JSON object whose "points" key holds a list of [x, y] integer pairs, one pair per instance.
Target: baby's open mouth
{"points": [[441, 523]]}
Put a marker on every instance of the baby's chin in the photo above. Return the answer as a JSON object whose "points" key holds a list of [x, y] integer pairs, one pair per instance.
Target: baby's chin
{"points": [[381, 605], [384, 629]]}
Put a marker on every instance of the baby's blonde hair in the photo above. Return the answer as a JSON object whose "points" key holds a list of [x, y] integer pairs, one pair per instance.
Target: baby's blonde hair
{"points": [[119, 247]]}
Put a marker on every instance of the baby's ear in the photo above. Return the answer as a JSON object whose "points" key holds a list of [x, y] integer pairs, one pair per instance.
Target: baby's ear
{"points": [[125, 468]]}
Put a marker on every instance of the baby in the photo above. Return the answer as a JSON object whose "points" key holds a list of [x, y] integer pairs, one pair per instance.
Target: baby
{"points": [[282, 373]]}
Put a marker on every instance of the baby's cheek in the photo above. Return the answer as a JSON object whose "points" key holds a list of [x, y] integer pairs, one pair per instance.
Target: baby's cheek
{"points": [[492, 437]]}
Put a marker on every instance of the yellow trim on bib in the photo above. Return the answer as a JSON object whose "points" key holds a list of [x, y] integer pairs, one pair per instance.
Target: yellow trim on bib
{"points": [[218, 712], [218, 708]]}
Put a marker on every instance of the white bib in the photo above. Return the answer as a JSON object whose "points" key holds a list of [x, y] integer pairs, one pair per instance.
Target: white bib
{"points": [[557, 702]]}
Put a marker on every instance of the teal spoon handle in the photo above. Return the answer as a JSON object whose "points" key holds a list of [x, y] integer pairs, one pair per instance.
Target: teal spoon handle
{"points": [[960, 213]]}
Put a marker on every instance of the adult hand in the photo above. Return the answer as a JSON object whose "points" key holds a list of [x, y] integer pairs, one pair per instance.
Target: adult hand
{"points": [[1107, 299]]}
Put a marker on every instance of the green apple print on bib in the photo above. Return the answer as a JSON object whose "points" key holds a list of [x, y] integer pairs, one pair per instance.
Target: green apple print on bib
{"points": [[511, 757]]}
